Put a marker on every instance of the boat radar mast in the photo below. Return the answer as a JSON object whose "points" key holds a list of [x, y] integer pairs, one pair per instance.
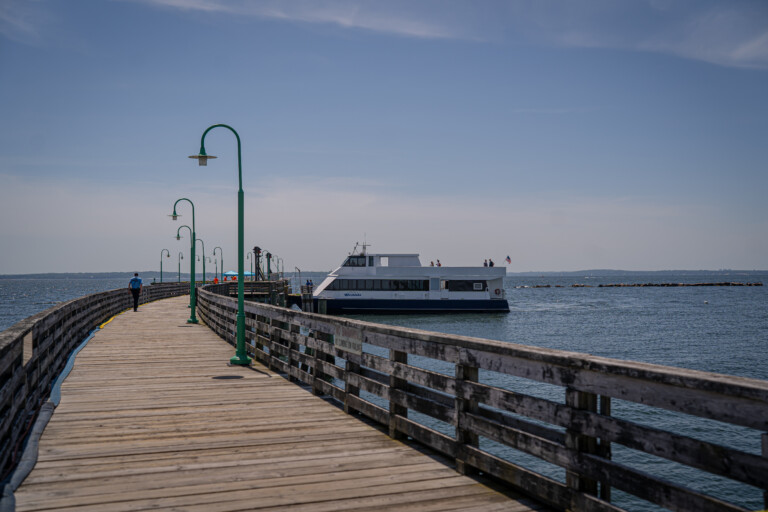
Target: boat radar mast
{"points": [[364, 245]]}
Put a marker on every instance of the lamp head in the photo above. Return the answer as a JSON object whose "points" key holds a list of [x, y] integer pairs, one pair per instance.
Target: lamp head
{"points": [[178, 236], [202, 158], [174, 215]]}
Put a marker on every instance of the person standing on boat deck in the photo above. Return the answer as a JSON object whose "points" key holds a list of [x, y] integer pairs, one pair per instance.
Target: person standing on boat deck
{"points": [[135, 286], [439, 264], [431, 263], [490, 262], [485, 263]]}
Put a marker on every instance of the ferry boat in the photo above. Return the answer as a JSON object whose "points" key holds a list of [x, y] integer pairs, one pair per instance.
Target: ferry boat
{"points": [[398, 283]]}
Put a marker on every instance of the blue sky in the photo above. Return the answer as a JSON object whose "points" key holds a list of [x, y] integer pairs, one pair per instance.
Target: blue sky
{"points": [[568, 135]]}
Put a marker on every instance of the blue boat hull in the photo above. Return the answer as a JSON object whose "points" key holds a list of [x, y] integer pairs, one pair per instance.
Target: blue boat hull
{"points": [[404, 306]]}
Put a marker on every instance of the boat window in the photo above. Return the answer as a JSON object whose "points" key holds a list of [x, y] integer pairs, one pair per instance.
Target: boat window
{"points": [[465, 286], [434, 283], [410, 285], [355, 261], [370, 261], [384, 261]]}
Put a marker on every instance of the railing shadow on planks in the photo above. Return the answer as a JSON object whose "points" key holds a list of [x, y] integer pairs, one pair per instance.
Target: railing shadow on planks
{"points": [[35, 350], [416, 383]]}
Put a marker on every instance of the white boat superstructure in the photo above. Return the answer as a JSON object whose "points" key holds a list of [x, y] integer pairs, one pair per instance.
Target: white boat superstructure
{"points": [[366, 283]]}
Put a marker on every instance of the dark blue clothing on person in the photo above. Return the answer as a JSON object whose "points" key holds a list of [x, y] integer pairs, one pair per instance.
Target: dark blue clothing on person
{"points": [[135, 286]]}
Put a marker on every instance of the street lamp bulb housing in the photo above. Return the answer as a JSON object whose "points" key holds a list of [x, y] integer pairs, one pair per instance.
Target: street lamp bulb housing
{"points": [[202, 160], [178, 237], [174, 216]]}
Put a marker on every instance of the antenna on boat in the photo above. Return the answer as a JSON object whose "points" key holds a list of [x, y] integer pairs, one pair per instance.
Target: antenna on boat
{"points": [[365, 246]]}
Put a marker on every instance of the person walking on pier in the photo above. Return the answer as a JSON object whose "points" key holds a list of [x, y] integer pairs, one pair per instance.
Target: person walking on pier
{"points": [[135, 286]]}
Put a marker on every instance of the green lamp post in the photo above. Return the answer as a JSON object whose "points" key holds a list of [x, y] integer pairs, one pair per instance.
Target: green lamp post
{"points": [[203, 244], [192, 296], [192, 289], [221, 257], [241, 356], [181, 257], [167, 255]]}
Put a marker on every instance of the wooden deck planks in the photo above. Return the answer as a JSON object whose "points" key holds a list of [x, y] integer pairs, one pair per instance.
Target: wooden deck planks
{"points": [[152, 417]]}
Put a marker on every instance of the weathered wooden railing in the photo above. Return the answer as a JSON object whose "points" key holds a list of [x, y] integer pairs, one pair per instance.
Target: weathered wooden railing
{"points": [[35, 350], [575, 431]]}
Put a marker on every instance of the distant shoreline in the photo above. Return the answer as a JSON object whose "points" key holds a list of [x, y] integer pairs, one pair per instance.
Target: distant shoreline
{"points": [[170, 276]]}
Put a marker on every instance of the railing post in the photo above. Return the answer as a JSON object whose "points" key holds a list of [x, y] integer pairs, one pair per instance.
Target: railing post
{"points": [[272, 353], [464, 373], [395, 410], [293, 347], [765, 455], [578, 443], [258, 346], [605, 447], [350, 368], [316, 374]]}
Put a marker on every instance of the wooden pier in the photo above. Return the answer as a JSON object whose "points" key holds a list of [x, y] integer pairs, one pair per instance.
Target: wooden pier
{"points": [[351, 415], [153, 417]]}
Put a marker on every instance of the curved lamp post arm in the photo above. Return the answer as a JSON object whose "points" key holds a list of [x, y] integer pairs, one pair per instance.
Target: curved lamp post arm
{"points": [[202, 158], [221, 258], [175, 216], [161, 262], [203, 244], [178, 235]]}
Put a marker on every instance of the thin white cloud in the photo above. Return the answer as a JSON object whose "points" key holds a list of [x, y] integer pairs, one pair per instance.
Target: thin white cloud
{"points": [[724, 35], [345, 13], [733, 34], [22, 22]]}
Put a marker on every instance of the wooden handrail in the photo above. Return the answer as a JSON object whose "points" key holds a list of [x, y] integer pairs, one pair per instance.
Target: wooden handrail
{"points": [[576, 432], [35, 350]]}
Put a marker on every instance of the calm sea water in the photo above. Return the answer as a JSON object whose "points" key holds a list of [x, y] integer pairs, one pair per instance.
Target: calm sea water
{"points": [[20, 298], [717, 329]]}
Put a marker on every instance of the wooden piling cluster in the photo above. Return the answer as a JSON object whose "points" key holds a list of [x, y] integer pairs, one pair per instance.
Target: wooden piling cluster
{"points": [[374, 371], [34, 351]]}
